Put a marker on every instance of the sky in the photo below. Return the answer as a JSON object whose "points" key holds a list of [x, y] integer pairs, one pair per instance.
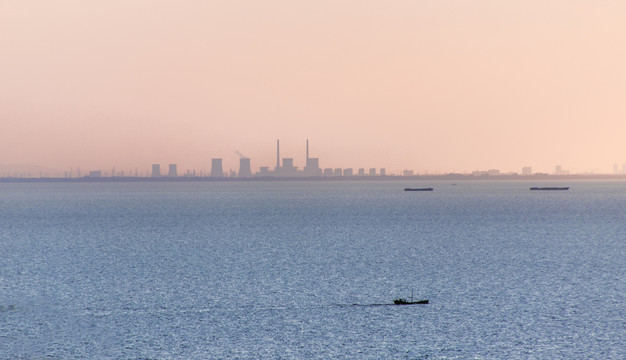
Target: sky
{"points": [[432, 86]]}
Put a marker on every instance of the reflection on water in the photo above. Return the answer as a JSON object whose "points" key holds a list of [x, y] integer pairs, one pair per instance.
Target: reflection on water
{"points": [[310, 269]]}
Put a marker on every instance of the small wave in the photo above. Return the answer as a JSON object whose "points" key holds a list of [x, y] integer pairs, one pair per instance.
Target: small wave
{"points": [[7, 308]]}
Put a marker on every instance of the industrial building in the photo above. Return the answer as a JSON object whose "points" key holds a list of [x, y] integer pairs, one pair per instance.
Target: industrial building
{"points": [[285, 167], [244, 167], [172, 171], [216, 168]]}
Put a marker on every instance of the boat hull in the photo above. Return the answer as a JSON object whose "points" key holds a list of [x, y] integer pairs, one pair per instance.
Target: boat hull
{"points": [[549, 188], [405, 302]]}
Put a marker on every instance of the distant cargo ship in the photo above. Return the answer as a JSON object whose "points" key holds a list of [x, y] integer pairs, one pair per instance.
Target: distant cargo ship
{"points": [[418, 189], [549, 188]]}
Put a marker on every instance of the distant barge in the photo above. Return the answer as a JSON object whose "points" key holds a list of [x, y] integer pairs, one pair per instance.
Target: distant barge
{"points": [[418, 189], [549, 188]]}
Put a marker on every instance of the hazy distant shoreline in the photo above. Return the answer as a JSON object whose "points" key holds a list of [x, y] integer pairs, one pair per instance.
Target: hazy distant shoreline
{"points": [[449, 177]]}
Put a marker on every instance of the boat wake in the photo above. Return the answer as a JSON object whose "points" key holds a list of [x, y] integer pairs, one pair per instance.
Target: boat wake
{"points": [[127, 311]]}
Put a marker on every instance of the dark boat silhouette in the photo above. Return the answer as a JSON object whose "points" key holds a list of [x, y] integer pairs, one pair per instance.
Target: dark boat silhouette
{"points": [[418, 189], [407, 302], [550, 188], [401, 301]]}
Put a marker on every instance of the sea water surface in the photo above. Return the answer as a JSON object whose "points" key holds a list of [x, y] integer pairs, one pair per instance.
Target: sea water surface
{"points": [[298, 270]]}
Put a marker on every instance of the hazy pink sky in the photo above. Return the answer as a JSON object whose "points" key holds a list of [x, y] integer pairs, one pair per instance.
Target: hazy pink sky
{"points": [[433, 86]]}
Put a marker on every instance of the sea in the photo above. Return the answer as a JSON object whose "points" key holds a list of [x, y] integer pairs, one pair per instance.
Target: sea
{"points": [[309, 270]]}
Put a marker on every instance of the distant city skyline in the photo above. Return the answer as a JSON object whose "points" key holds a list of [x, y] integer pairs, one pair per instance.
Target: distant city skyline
{"points": [[287, 166], [428, 87]]}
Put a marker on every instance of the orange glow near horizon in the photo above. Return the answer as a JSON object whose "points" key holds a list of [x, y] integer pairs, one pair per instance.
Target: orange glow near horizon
{"points": [[446, 86]]}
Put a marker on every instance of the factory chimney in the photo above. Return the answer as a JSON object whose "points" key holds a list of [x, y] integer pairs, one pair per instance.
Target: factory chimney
{"points": [[277, 154]]}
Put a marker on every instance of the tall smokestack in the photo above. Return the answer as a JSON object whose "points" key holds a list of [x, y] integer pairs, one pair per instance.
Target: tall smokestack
{"points": [[277, 154], [307, 151]]}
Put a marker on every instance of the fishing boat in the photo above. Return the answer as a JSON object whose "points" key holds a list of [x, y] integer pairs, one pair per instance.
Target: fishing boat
{"points": [[401, 301], [418, 189], [406, 302]]}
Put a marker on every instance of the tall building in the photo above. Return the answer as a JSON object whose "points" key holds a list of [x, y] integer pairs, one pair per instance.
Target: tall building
{"points": [[527, 170], [156, 170], [172, 171], [244, 167], [372, 172], [216, 168]]}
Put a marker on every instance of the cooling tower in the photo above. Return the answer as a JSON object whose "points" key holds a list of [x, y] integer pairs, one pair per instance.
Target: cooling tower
{"points": [[216, 168], [156, 170], [244, 167], [172, 171]]}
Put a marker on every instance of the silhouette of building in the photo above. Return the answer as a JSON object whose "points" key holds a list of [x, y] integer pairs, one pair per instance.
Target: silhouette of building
{"points": [[156, 170], [372, 172], [328, 172], [361, 172], [244, 167], [216, 168], [312, 167], [348, 172], [288, 169], [527, 170], [277, 156], [383, 172], [172, 171], [558, 170]]}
